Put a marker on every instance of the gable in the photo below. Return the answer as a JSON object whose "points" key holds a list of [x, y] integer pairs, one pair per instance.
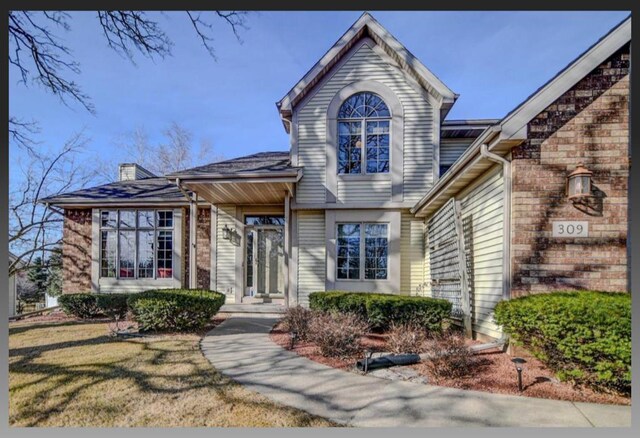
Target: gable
{"points": [[367, 27]]}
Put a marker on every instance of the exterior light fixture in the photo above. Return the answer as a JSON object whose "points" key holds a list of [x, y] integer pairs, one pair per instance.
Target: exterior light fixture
{"points": [[226, 233], [519, 363], [579, 183], [367, 355]]}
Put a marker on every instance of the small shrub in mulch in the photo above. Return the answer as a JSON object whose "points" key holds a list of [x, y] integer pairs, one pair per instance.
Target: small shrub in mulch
{"points": [[337, 334], [449, 356], [296, 319], [406, 338]]}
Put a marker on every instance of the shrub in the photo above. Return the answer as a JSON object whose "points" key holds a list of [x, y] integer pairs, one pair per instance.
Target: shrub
{"points": [[174, 309], [113, 305], [406, 338], [83, 305], [337, 334], [585, 337], [297, 319], [380, 310], [448, 355]]}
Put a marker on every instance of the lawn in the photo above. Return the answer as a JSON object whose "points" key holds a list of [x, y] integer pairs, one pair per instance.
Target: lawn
{"points": [[69, 373]]}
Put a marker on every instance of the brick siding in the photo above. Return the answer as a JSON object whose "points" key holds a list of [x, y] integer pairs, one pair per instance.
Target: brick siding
{"points": [[588, 124], [76, 251], [203, 250]]}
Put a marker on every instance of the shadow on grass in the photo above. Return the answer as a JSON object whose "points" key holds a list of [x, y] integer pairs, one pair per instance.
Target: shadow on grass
{"points": [[64, 383]]}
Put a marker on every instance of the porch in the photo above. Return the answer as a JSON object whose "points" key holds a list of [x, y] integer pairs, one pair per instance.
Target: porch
{"points": [[249, 242]]}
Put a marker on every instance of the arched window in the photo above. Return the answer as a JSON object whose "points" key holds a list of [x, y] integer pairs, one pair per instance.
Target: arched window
{"points": [[363, 123]]}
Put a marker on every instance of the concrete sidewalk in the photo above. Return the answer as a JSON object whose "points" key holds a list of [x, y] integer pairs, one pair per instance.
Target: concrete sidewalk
{"points": [[240, 348]]}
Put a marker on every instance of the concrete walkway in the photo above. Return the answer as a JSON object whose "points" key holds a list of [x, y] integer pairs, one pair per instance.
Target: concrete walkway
{"points": [[240, 348]]}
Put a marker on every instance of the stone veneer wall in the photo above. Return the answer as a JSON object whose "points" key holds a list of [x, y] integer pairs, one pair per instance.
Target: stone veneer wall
{"points": [[588, 124]]}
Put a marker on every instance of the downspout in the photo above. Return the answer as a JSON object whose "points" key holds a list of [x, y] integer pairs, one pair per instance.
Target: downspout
{"points": [[288, 229], [506, 256], [192, 237]]}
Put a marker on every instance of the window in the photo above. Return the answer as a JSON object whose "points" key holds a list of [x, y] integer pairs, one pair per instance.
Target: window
{"points": [[444, 168], [363, 122], [264, 220], [362, 251], [136, 243]]}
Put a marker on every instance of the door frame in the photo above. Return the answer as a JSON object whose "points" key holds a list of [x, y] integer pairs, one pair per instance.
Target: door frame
{"points": [[255, 229]]}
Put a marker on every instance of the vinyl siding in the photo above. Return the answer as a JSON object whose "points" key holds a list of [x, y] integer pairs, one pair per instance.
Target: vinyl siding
{"points": [[450, 150], [365, 64], [311, 254], [226, 253], [482, 210], [358, 190], [412, 254]]}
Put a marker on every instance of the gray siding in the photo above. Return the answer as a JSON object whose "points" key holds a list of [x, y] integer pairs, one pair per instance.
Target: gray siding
{"points": [[226, 253], [412, 254], [365, 64], [311, 254], [450, 149], [483, 220]]}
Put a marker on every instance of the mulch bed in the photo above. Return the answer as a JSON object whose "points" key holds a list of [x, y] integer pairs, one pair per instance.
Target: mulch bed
{"points": [[492, 372]]}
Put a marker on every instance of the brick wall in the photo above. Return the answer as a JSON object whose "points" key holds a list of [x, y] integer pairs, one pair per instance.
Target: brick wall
{"points": [[588, 124], [203, 250], [76, 251]]}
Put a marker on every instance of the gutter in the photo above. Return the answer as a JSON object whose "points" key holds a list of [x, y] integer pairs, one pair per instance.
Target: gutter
{"points": [[458, 166], [506, 254], [184, 192]]}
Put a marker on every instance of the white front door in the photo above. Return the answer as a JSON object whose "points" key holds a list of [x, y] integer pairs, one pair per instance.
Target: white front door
{"points": [[264, 261]]}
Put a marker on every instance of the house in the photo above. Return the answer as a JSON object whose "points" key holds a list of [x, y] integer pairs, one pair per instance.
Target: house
{"points": [[380, 192], [13, 286]]}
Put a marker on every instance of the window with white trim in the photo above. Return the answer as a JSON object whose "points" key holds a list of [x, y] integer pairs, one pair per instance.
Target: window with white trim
{"points": [[136, 244], [363, 124], [362, 251]]}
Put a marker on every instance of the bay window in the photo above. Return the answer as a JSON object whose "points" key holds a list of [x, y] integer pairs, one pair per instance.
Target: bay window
{"points": [[362, 251], [136, 244]]}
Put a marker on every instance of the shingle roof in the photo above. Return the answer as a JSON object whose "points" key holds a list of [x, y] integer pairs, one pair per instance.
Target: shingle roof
{"points": [[262, 162], [162, 189], [147, 189]]}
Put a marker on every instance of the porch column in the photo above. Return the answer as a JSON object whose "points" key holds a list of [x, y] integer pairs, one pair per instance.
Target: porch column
{"points": [[287, 241], [193, 242]]}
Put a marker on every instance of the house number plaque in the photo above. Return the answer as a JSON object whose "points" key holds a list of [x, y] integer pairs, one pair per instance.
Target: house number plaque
{"points": [[570, 228]]}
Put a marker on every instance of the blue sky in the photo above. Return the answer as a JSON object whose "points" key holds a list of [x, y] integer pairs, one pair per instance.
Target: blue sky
{"points": [[494, 60]]}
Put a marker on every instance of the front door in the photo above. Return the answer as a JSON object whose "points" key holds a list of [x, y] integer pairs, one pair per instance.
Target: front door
{"points": [[264, 267]]}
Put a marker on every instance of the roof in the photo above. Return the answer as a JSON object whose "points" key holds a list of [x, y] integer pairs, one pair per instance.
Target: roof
{"points": [[151, 190], [366, 25], [511, 129], [465, 128], [276, 163], [163, 190]]}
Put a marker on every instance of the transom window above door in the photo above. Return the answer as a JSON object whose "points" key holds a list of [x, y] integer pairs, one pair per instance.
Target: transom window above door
{"points": [[363, 135]]}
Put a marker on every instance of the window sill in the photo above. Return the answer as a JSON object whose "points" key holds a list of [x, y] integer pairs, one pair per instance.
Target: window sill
{"points": [[365, 176]]}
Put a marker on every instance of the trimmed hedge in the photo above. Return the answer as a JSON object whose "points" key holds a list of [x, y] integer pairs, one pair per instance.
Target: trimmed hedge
{"points": [[380, 310], [113, 305], [82, 305], [585, 337], [174, 309]]}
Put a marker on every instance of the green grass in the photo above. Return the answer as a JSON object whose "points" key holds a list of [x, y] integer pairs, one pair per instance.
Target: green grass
{"points": [[74, 374]]}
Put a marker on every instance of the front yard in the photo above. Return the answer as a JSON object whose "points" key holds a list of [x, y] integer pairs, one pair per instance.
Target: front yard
{"points": [[70, 373]]}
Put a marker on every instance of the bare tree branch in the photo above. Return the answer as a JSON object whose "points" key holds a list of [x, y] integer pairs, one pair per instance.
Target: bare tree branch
{"points": [[235, 19]]}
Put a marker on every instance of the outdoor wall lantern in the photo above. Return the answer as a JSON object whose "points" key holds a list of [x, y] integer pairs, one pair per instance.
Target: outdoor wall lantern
{"points": [[579, 184], [226, 232], [519, 363]]}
